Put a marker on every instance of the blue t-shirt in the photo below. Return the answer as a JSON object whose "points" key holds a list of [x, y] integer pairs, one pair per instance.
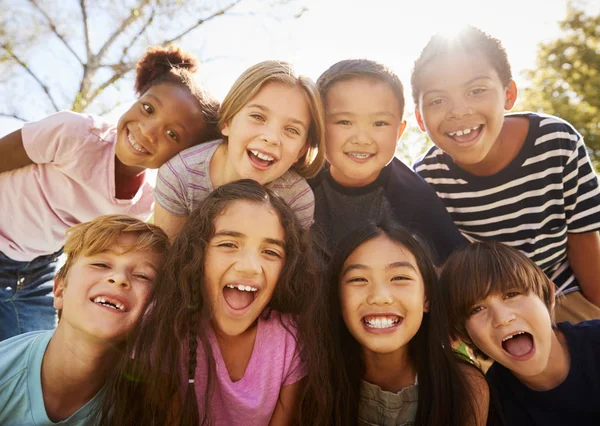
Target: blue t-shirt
{"points": [[21, 399], [576, 401]]}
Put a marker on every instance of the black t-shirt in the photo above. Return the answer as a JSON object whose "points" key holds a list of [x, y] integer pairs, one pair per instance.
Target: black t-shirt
{"points": [[398, 194], [576, 401]]}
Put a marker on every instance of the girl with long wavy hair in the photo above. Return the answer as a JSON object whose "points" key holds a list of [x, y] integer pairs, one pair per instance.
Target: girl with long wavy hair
{"points": [[236, 329]]}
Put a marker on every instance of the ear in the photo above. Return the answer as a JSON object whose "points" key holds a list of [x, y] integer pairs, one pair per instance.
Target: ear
{"points": [[225, 130], [420, 120], [511, 95], [401, 130], [58, 290], [426, 305], [302, 151]]}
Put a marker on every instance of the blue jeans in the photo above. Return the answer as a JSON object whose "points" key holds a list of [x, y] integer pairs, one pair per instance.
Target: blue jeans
{"points": [[26, 299]]}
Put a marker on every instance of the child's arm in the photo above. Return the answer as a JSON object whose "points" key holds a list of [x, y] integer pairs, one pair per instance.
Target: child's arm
{"points": [[583, 251], [480, 393], [169, 222], [286, 405], [12, 152]]}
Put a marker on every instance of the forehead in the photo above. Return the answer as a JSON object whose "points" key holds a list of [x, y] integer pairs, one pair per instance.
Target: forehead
{"points": [[258, 220], [125, 245], [176, 102], [456, 70], [361, 96], [288, 101], [380, 252]]}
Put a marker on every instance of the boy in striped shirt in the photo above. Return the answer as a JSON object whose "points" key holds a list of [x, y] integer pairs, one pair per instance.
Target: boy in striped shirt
{"points": [[523, 179]]}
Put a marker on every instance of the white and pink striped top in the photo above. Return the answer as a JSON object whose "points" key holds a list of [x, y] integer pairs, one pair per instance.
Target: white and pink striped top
{"points": [[184, 181]]}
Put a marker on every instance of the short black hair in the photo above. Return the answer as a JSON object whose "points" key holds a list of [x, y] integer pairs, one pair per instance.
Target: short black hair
{"points": [[471, 40], [361, 68]]}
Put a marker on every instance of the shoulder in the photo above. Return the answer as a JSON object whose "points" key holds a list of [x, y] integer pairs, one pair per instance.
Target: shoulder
{"points": [[18, 350], [434, 158], [549, 131], [292, 188], [193, 156], [587, 331], [71, 123], [411, 184], [278, 326]]}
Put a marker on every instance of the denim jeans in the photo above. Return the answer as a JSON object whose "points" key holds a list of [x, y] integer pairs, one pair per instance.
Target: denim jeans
{"points": [[26, 299]]}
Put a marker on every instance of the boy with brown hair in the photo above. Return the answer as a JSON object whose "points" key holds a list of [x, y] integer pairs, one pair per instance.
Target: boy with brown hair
{"points": [[53, 376], [364, 108], [502, 303]]}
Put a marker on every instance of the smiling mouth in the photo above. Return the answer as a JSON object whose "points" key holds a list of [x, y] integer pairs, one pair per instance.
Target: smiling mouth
{"points": [[519, 344], [466, 135], [360, 155], [136, 146], [239, 297], [260, 158], [382, 321], [109, 303]]}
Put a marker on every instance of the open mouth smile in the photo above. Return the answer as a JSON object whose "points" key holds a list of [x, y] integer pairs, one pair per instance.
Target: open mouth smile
{"points": [[519, 345], [110, 303], [239, 297], [260, 160], [135, 145], [381, 323]]}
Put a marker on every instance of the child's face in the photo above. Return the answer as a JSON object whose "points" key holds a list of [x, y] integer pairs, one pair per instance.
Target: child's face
{"points": [[363, 123], [269, 134], [105, 294], [461, 106], [162, 122], [513, 328], [382, 295], [242, 265]]}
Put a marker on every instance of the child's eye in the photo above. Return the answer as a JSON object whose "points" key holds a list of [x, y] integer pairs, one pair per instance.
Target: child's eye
{"points": [[272, 253], [257, 117], [477, 91], [343, 122], [511, 294], [293, 131], [173, 135], [401, 278], [357, 280], [226, 244], [381, 124], [100, 265], [475, 310], [143, 277], [148, 108], [435, 102]]}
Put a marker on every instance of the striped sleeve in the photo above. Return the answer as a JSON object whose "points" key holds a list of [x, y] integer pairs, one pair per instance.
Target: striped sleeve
{"points": [[170, 191], [297, 193]]}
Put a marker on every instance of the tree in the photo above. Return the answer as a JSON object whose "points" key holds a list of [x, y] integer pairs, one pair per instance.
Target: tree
{"points": [[566, 82], [74, 54]]}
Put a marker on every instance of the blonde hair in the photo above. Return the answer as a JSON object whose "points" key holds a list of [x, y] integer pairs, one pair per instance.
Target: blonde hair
{"points": [[253, 79], [93, 237]]}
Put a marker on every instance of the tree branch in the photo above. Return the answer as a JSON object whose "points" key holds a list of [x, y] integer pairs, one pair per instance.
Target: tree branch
{"points": [[86, 30], [15, 116], [133, 15], [7, 48], [138, 35], [55, 30], [202, 21], [116, 76]]}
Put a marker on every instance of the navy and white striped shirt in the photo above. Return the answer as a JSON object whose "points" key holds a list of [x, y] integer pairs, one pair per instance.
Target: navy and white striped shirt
{"points": [[550, 189]]}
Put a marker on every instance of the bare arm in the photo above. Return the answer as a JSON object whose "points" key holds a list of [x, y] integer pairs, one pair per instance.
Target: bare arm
{"points": [[583, 251], [12, 152], [480, 395], [286, 405], [169, 222]]}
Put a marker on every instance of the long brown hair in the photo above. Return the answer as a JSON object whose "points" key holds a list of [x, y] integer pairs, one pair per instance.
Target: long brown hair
{"points": [[179, 314], [445, 397]]}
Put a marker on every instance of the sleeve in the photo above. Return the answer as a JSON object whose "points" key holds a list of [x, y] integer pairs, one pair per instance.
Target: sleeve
{"points": [[581, 192], [302, 201], [56, 137], [170, 190]]}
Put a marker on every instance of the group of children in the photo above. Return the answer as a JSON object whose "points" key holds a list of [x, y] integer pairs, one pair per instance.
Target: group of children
{"points": [[296, 272]]}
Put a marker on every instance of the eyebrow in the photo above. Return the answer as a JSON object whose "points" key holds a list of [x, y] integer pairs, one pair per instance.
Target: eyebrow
{"points": [[160, 104], [358, 266], [265, 109], [379, 113], [119, 253], [235, 234], [471, 81]]}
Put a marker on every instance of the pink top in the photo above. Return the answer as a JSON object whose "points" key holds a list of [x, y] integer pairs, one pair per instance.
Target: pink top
{"points": [[274, 363], [72, 181]]}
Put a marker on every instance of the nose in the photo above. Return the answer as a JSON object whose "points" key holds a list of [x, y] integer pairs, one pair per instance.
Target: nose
{"points": [[379, 294], [361, 136], [459, 109], [248, 263], [149, 129], [120, 278], [270, 135], [501, 314]]}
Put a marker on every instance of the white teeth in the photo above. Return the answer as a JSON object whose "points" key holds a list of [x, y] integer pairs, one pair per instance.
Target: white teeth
{"points": [[135, 145], [262, 156], [463, 132], [513, 335], [242, 287], [381, 322], [114, 305], [359, 154]]}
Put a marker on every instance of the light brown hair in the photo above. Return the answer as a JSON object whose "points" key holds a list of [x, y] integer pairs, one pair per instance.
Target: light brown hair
{"points": [[248, 85]]}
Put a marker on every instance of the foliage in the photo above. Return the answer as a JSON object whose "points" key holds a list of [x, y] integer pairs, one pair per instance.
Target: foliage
{"points": [[74, 54], [566, 82]]}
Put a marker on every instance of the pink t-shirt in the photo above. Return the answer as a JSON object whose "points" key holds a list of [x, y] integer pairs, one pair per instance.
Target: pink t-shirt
{"points": [[73, 181], [274, 363]]}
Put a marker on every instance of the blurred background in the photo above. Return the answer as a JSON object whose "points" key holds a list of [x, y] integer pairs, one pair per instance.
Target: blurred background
{"points": [[80, 54]]}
